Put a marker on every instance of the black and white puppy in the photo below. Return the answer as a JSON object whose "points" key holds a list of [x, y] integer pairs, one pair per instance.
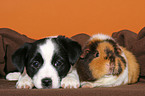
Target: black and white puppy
{"points": [[45, 63]]}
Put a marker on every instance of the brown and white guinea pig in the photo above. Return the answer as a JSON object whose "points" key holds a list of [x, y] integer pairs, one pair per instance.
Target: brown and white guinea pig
{"points": [[104, 63]]}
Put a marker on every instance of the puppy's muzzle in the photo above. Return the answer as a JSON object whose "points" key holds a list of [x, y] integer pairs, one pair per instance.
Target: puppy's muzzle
{"points": [[46, 83]]}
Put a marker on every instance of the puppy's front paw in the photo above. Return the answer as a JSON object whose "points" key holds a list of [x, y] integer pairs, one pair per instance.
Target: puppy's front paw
{"points": [[13, 76], [87, 85], [24, 83], [70, 82]]}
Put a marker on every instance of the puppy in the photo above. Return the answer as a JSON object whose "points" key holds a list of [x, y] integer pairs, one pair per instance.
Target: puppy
{"points": [[103, 63], [44, 63]]}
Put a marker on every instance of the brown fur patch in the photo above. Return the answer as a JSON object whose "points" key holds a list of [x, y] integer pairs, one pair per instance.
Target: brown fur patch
{"points": [[109, 61], [98, 65]]}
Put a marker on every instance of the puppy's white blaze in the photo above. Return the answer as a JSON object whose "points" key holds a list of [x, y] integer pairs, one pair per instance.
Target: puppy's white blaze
{"points": [[101, 37], [47, 70]]}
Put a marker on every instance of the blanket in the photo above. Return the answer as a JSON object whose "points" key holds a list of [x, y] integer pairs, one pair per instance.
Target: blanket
{"points": [[134, 43], [11, 40]]}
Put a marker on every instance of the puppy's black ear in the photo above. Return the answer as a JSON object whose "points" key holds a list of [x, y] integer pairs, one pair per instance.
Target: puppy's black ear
{"points": [[19, 57], [72, 48]]}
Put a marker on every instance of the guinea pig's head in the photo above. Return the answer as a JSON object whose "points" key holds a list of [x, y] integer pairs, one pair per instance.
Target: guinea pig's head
{"points": [[101, 56]]}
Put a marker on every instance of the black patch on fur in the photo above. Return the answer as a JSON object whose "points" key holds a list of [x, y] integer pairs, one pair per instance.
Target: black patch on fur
{"points": [[72, 48], [25, 54], [122, 59], [19, 58], [114, 45], [67, 54], [110, 55], [63, 65], [84, 71], [82, 65], [119, 67], [31, 69]]}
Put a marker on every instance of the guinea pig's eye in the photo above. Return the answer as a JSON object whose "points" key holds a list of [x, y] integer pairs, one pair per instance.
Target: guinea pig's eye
{"points": [[58, 63], [96, 54], [36, 64]]}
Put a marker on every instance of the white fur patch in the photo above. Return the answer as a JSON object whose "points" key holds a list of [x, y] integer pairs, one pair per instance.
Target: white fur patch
{"points": [[71, 80], [101, 37], [24, 82], [47, 70], [13, 76]]}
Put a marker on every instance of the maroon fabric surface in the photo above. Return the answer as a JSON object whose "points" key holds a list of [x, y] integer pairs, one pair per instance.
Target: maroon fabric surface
{"points": [[134, 43], [7, 88], [10, 40]]}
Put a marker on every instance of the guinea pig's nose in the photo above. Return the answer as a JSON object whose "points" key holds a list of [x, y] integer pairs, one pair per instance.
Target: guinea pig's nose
{"points": [[46, 82]]}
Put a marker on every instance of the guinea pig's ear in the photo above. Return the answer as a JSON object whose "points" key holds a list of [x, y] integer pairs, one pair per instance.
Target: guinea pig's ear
{"points": [[84, 53], [19, 57], [72, 48]]}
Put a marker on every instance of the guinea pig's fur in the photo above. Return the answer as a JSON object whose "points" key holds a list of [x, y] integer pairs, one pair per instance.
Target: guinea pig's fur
{"points": [[103, 63]]}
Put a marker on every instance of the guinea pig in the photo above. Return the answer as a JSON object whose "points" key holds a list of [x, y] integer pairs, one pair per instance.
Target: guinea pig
{"points": [[103, 63]]}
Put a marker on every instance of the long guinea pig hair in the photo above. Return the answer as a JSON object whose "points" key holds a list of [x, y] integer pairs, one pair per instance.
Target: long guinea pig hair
{"points": [[102, 56]]}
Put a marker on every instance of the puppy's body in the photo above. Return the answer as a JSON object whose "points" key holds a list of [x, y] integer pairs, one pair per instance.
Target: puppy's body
{"points": [[104, 63], [45, 62]]}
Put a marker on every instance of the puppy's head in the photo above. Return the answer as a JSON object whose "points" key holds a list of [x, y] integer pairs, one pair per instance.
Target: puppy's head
{"points": [[101, 56], [47, 60]]}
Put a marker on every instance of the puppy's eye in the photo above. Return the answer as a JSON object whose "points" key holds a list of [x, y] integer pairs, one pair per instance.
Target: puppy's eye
{"points": [[58, 63], [36, 64]]}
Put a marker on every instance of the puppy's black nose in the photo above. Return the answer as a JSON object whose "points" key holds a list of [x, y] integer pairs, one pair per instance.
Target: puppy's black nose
{"points": [[46, 83]]}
